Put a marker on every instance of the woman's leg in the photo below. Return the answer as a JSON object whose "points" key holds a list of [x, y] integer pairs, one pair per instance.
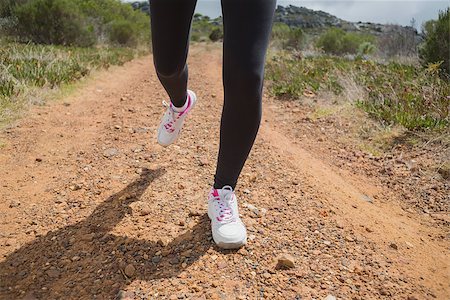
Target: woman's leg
{"points": [[247, 27], [171, 23]]}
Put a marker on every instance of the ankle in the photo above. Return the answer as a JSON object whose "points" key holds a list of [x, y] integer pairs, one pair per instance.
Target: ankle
{"points": [[182, 107]]}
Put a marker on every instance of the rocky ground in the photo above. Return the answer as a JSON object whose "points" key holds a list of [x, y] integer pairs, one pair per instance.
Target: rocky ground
{"points": [[93, 208]]}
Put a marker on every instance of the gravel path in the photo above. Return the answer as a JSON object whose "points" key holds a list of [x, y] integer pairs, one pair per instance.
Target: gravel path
{"points": [[93, 208]]}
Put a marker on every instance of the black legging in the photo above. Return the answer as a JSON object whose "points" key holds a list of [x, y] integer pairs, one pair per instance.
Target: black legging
{"points": [[247, 26]]}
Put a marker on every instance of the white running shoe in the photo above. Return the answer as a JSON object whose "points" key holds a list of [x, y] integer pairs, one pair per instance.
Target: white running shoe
{"points": [[228, 231], [172, 121]]}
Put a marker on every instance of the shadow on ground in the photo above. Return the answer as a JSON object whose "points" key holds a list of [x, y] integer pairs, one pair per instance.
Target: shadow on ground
{"points": [[86, 261]]}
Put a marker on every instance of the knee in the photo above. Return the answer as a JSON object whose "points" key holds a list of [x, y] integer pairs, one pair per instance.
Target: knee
{"points": [[245, 84], [169, 71]]}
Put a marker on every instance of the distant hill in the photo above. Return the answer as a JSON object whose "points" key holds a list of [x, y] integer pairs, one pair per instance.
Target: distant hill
{"points": [[317, 21]]}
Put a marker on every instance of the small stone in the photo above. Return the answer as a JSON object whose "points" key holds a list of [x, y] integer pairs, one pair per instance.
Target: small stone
{"points": [[266, 275], [285, 261], [110, 152], [203, 161], [366, 198], [409, 245], [215, 283], [221, 265], [214, 257], [393, 246], [329, 297], [194, 213], [118, 127], [130, 270], [349, 239], [145, 256], [174, 261], [156, 259], [328, 243], [75, 258], [123, 295], [14, 204], [163, 242], [53, 273], [247, 191], [181, 223], [75, 187], [38, 159], [196, 288]]}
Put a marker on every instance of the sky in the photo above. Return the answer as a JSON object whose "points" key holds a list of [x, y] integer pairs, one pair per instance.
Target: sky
{"points": [[377, 11]]}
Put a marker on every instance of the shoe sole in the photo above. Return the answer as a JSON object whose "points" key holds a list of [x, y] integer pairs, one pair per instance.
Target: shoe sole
{"points": [[179, 133]]}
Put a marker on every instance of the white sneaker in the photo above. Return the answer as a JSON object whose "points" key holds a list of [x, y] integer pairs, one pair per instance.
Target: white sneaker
{"points": [[172, 121], [228, 231]]}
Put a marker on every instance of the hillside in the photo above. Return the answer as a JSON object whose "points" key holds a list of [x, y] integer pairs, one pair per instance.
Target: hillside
{"points": [[317, 21]]}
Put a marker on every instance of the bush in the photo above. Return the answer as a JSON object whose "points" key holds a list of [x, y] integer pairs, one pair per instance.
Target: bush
{"points": [[337, 41], [204, 29], [122, 33], [436, 47], [53, 22], [366, 48], [216, 34], [413, 97], [27, 65], [287, 37], [77, 22]]}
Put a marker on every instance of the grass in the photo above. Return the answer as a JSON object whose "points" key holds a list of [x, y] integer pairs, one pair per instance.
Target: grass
{"points": [[414, 97], [28, 70]]}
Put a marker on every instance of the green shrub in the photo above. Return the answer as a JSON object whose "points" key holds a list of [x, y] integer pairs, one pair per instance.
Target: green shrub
{"points": [[337, 41], [291, 78], [53, 22], [216, 34], [366, 48], [27, 65], [203, 29], [122, 33], [413, 97], [77, 22], [436, 47], [287, 37]]}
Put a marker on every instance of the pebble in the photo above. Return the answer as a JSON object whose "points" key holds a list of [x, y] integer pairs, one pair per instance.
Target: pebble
{"points": [[393, 246], [130, 270], [285, 261], [110, 152], [349, 239], [174, 261], [156, 259], [53, 273], [14, 204], [329, 297]]}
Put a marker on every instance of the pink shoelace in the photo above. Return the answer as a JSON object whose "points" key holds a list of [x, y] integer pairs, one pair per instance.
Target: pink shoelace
{"points": [[169, 125], [225, 211]]}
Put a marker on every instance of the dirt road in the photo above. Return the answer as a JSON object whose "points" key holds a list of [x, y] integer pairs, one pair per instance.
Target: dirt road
{"points": [[93, 208]]}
